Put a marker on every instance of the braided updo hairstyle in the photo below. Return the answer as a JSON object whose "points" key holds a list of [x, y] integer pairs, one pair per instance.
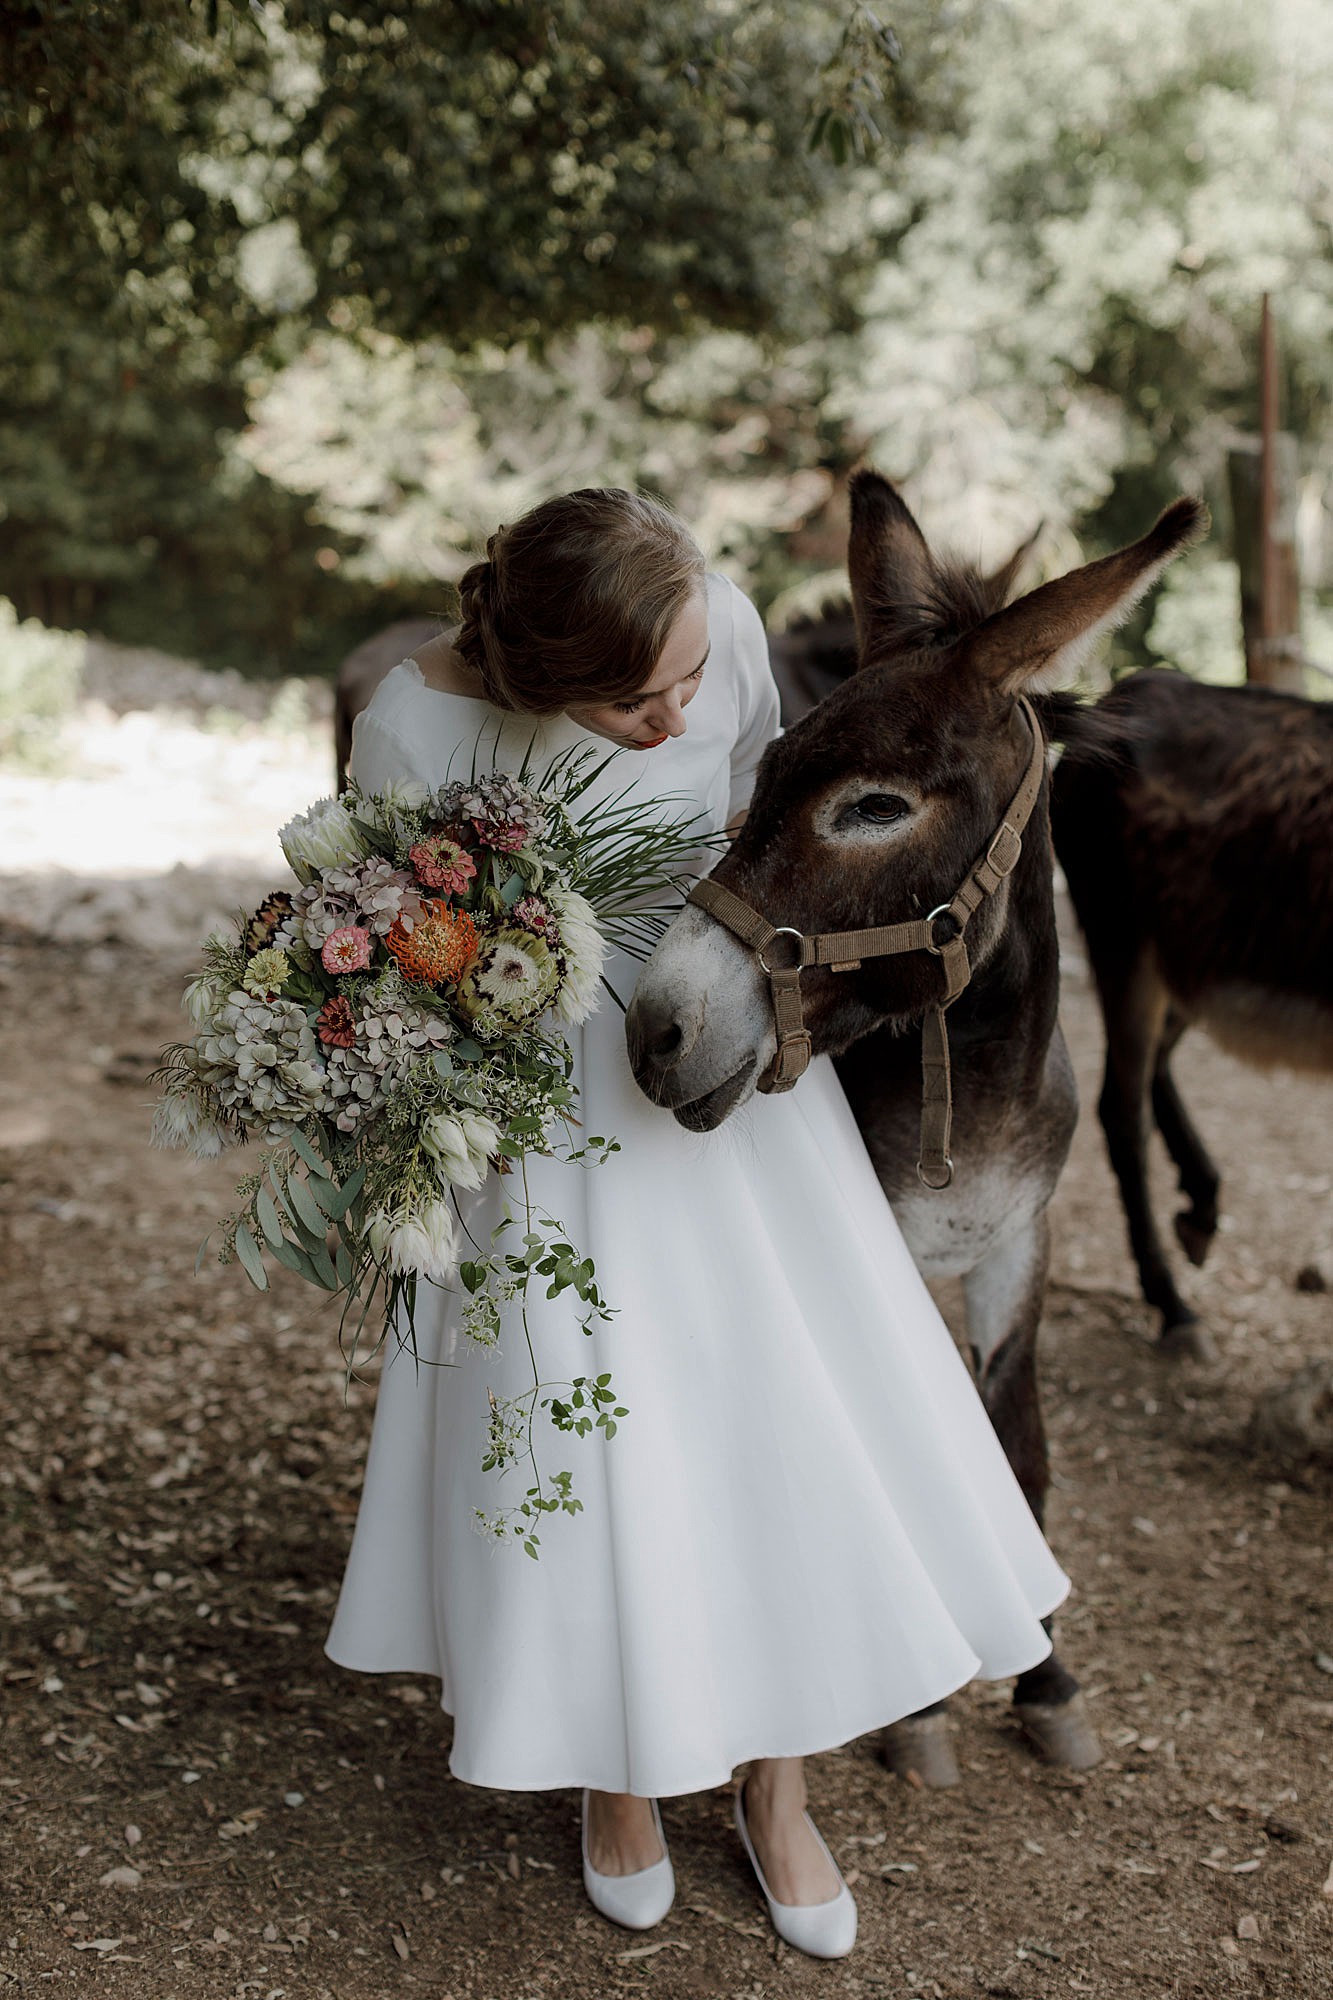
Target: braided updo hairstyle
{"points": [[573, 603]]}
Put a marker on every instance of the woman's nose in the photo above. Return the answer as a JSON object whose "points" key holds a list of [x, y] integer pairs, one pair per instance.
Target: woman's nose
{"points": [[671, 718]]}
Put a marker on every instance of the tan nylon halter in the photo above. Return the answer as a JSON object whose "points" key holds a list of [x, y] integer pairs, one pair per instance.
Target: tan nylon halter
{"points": [[843, 951]]}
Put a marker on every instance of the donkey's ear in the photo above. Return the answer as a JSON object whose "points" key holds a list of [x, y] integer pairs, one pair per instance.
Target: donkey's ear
{"points": [[1043, 639], [1002, 580], [887, 559]]}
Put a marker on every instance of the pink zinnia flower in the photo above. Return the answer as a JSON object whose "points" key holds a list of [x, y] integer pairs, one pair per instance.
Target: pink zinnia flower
{"points": [[346, 950], [442, 864]]}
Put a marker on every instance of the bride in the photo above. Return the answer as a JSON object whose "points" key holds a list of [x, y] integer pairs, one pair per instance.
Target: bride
{"points": [[804, 1528]]}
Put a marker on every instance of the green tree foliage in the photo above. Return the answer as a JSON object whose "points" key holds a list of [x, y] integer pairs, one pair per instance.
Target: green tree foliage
{"points": [[1067, 324], [193, 191]]}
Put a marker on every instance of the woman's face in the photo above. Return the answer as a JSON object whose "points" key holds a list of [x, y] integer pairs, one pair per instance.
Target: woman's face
{"points": [[645, 720]]}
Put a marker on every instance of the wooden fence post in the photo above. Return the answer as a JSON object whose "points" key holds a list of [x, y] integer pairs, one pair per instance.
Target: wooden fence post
{"points": [[1263, 475]]}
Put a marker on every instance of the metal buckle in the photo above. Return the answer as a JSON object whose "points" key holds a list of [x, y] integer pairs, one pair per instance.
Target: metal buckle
{"points": [[1006, 865], [784, 930], [936, 1187], [942, 910]]}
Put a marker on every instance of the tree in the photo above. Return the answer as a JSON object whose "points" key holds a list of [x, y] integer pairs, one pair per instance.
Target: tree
{"points": [[190, 190], [1067, 324]]}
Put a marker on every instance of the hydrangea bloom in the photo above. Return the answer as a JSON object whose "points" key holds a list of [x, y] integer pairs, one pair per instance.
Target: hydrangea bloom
{"points": [[261, 1060]]}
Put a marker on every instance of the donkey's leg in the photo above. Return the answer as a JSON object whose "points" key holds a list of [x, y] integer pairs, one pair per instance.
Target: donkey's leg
{"points": [[1196, 1225], [1005, 1294], [1135, 1007]]}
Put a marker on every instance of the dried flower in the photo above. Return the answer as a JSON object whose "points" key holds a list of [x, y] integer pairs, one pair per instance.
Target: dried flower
{"points": [[346, 949], [582, 950], [336, 1024], [325, 837], [533, 913], [510, 981], [442, 863], [461, 1147], [424, 1240], [267, 972], [263, 925], [438, 949]]}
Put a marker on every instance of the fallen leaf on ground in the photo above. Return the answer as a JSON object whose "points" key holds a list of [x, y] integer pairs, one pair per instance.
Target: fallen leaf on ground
{"points": [[121, 1878]]}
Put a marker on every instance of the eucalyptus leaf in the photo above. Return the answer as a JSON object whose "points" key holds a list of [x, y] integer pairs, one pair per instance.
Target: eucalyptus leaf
{"points": [[248, 1252]]}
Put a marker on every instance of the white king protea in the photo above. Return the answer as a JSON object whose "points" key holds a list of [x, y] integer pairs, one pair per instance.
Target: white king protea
{"points": [[325, 837]]}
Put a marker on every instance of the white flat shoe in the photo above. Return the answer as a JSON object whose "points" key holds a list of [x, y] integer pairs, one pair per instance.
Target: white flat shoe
{"points": [[820, 1930], [637, 1901]]}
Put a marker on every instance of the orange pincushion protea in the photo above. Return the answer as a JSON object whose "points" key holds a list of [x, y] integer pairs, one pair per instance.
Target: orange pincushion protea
{"points": [[439, 948]]}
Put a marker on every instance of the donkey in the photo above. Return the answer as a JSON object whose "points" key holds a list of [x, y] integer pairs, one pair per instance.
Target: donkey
{"points": [[871, 810], [1196, 833], [361, 673]]}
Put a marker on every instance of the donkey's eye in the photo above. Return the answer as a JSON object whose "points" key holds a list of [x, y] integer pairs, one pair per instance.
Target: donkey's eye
{"points": [[880, 808]]}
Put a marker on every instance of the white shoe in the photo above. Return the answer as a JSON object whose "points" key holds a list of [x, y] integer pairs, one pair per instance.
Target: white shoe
{"points": [[637, 1901], [820, 1930]]}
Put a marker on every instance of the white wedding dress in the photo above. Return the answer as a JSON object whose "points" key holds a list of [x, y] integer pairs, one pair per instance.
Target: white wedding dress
{"points": [[805, 1527]]}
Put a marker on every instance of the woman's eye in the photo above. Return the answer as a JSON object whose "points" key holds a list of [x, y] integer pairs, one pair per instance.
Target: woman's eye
{"points": [[628, 707], [880, 808]]}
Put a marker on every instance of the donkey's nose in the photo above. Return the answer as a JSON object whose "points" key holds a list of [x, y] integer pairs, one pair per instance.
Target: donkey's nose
{"points": [[656, 1035], [664, 1047]]}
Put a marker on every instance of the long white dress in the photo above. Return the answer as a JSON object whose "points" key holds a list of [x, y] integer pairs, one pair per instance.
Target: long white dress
{"points": [[805, 1527]]}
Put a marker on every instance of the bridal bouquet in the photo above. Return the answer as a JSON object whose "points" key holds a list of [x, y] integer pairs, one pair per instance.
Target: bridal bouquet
{"points": [[390, 1030]]}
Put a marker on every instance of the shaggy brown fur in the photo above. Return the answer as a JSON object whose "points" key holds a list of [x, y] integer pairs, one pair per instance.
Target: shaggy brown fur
{"points": [[1195, 827]]}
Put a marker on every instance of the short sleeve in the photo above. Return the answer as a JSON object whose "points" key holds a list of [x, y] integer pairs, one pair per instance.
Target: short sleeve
{"points": [[380, 755], [758, 716]]}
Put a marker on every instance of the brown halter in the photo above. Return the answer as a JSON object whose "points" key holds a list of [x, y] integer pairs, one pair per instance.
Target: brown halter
{"points": [[843, 951]]}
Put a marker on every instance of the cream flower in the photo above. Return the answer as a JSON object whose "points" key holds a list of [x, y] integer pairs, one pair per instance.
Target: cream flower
{"points": [[583, 950], [461, 1147], [266, 972], [179, 1121], [424, 1242], [325, 837], [510, 981]]}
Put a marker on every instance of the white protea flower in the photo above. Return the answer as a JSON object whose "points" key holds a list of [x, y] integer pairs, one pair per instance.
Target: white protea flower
{"points": [[461, 1147], [424, 1242], [204, 996], [179, 1120], [384, 807], [583, 949], [325, 837]]}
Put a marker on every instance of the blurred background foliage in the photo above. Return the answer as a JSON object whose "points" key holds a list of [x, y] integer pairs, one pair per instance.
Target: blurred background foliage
{"points": [[303, 299]]}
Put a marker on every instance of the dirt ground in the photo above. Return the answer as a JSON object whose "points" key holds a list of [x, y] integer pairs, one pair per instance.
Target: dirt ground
{"points": [[196, 1803]]}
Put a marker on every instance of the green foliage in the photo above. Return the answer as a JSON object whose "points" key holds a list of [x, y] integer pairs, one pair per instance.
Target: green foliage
{"points": [[39, 679], [1067, 323]]}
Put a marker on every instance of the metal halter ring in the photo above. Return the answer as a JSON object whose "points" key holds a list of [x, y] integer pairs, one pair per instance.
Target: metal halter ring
{"points": [[783, 930], [941, 910]]}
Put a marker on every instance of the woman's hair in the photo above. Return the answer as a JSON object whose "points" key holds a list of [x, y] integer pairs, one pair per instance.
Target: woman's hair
{"points": [[574, 602]]}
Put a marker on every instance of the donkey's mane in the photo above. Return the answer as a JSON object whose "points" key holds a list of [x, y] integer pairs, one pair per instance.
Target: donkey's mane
{"points": [[957, 598]]}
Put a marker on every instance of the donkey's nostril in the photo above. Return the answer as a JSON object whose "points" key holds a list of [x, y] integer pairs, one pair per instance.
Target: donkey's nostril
{"points": [[662, 1046]]}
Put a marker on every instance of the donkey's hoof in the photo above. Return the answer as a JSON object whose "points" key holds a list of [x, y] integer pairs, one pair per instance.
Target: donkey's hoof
{"points": [[920, 1749], [1195, 1238], [1187, 1340], [1062, 1732]]}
